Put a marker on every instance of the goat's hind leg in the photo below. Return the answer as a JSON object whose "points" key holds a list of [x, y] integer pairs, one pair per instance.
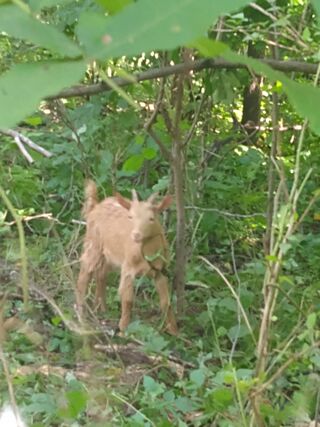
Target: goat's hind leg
{"points": [[161, 283], [88, 262], [82, 285], [100, 276]]}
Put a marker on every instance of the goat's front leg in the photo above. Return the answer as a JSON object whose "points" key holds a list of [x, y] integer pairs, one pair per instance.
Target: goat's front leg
{"points": [[126, 296], [161, 282]]}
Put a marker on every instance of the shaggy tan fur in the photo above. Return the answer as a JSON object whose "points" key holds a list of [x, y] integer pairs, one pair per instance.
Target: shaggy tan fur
{"points": [[126, 235]]}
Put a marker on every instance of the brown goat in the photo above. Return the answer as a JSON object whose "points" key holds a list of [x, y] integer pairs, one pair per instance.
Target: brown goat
{"points": [[127, 235]]}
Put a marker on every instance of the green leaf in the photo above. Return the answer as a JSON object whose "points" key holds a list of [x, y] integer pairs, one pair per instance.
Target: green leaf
{"points": [[113, 6], [185, 405], [198, 376], [77, 401], [155, 344], [41, 403], [235, 332], [23, 87], [316, 5], [21, 25], [33, 120], [149, 153], [56, 320], [134, 163], [152, 387], [221, 398], [42, 4], [311, 320], [149, 25]]}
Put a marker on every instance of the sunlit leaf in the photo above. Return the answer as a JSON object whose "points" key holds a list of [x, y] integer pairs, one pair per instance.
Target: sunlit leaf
{"points": [[134, 163], [149, 153], [17, 23], [113, 6], [33, 120], [316, 5], [77, 401], [23, 87], [311, 320], [220, 398]]}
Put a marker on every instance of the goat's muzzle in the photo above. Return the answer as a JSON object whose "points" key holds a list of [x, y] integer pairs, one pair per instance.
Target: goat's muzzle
{"points": [[136, 236]]}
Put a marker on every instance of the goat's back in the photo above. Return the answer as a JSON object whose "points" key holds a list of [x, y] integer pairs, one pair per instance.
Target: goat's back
{"points": [[110, 229]]}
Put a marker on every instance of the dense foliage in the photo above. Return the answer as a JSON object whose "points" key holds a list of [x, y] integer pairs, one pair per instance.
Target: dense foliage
{"points": [[246, 142]]}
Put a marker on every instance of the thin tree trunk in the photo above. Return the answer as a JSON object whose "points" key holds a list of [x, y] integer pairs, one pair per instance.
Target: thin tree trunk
{"points": [[180, 265], [178, 168]]}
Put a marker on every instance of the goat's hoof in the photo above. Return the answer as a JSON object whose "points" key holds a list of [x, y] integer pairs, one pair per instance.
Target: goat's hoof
{"points": [[172, 330], [118, 332]]}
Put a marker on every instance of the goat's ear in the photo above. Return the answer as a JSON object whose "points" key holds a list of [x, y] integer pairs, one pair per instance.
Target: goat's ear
{"points": [[152, 198], [125, 203], [164, 204], [134, 196]]}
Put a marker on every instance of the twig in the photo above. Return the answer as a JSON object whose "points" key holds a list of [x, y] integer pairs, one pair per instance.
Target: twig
{"points": [[126, 402], [226, 281], [22, 139], [164, 151], [195, 121], [294, 33], [235, 270], [76, 221], [23, 252], [10, 387], [47, 216], [282, 368], [148, 125], [69, 323], [23, 149], [225, 213]]}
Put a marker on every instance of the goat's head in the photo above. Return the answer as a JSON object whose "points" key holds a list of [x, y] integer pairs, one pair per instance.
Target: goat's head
{"points": [[144, 215]]}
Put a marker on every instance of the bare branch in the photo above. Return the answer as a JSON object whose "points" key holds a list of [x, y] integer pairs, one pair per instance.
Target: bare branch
{"points": [[47, 216], [195, 121], [23, 149], [235, 295], [148, 126], [198, 65], [164, 151], [22, 139], [225, 213]]}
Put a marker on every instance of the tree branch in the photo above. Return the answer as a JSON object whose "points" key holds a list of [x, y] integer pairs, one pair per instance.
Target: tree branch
{"points": [[20, 140], [148, 126], [198, 65]]}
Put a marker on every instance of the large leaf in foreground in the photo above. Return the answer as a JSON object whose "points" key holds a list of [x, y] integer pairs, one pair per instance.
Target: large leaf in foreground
{"points": [[150, 25], [23, 87], [17, 23], [316, 5], [304, 97]]}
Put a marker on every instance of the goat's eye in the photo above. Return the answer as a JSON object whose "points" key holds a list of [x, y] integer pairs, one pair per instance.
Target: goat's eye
{"points": [[151, 219], [130, 216]]}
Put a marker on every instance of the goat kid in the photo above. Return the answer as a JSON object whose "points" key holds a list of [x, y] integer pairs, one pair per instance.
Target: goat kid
{"points": [[127, 235]]}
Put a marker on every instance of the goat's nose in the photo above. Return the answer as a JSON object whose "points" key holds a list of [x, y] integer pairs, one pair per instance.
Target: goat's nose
{"points": [[136, 236]]}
